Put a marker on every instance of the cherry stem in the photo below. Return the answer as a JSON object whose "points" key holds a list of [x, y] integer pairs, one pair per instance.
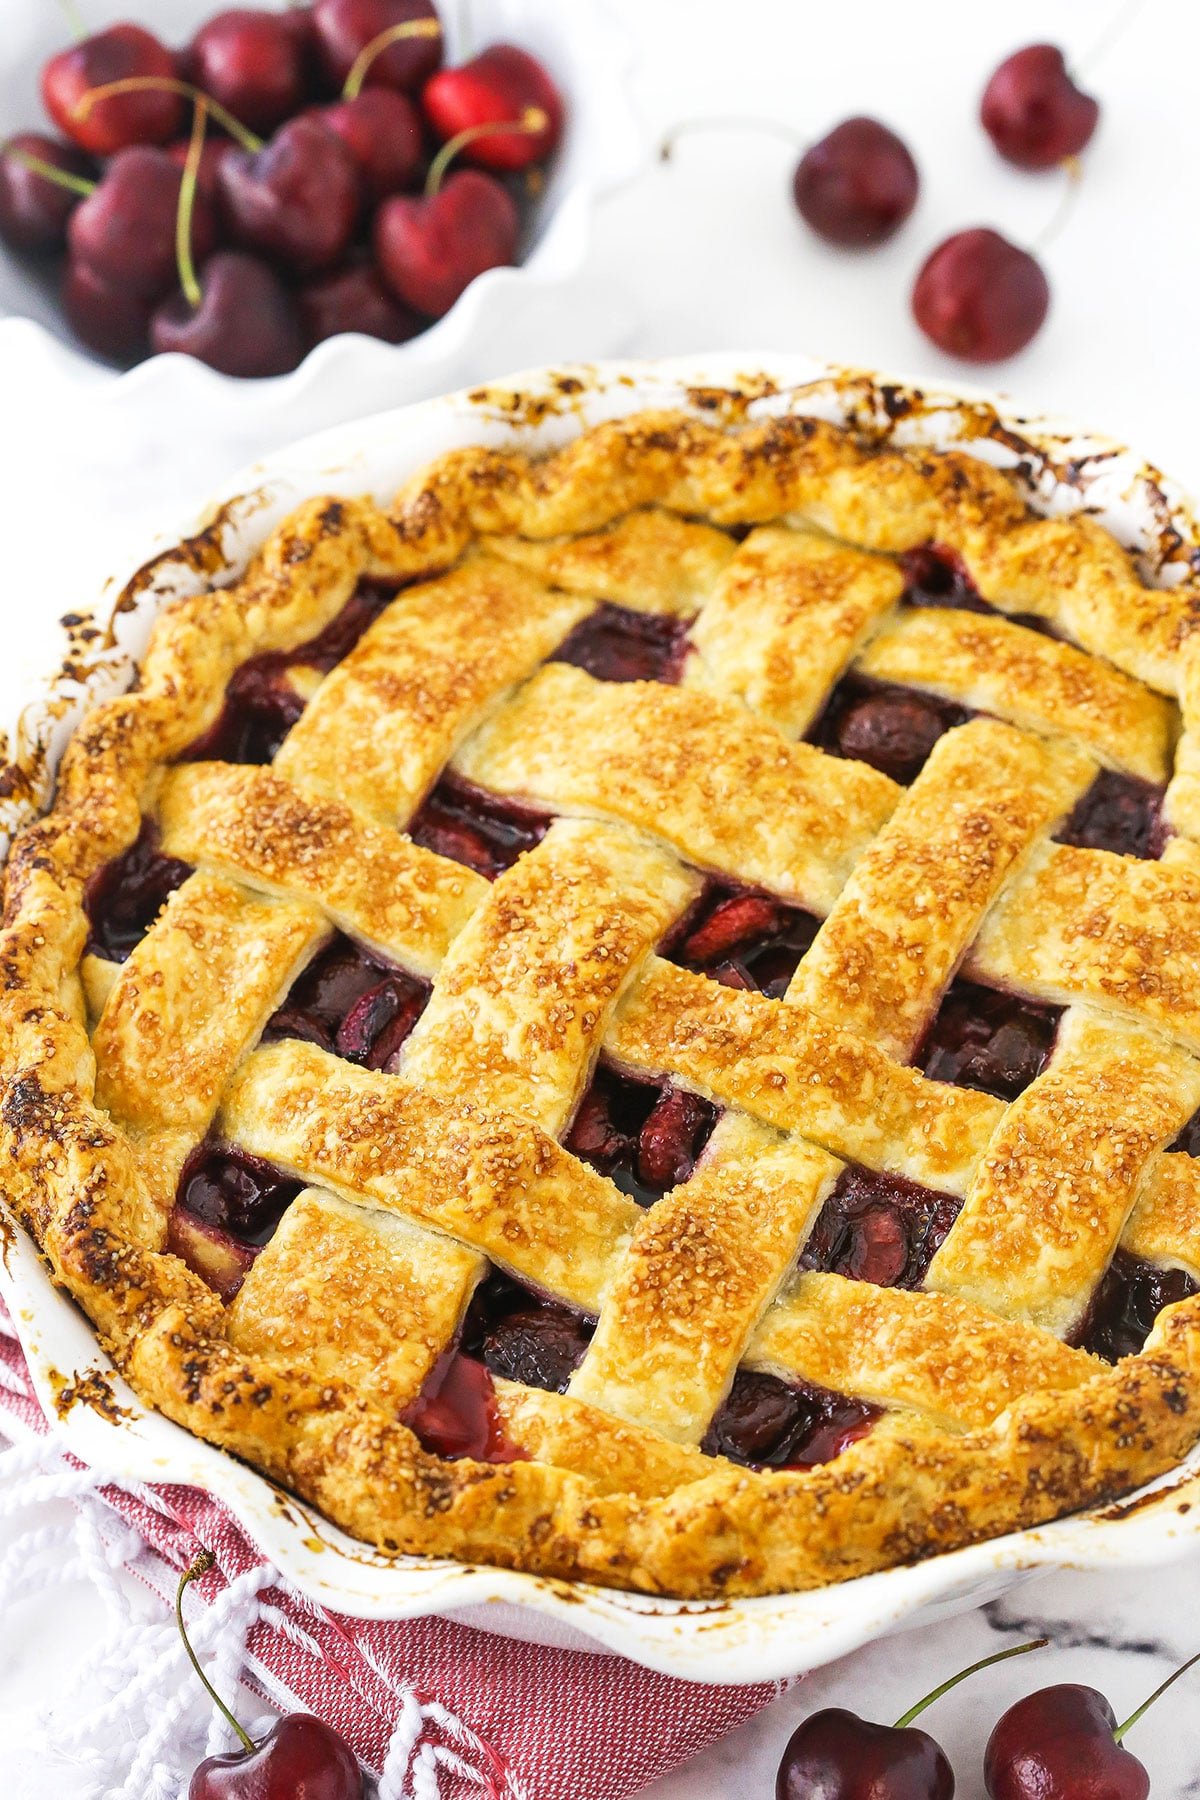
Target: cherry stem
{"points": [[167, 84], [1072, 168], [985, 1663], [773, 127], [411, 28], [74, 18], [187, 202], [203, 1563], [63, 178], [1133, 1718], [532, 120]]}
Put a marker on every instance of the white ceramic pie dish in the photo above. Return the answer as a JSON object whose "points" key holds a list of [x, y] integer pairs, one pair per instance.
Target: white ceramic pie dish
{"points": [[505, 315], [729, 1641]]}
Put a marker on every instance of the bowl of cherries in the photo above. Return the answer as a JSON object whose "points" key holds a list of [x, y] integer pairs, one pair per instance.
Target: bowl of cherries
{"points": [[258, 184]]}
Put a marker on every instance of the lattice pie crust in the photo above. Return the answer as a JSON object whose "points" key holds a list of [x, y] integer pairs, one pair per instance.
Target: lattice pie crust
{"points": [[771, 555]]}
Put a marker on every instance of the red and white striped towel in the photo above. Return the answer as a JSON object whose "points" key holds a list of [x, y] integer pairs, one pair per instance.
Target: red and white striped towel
{"points": [[435, 1709]]}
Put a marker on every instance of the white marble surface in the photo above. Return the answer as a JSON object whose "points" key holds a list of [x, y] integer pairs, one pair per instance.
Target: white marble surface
{"points": [[709, 255]]}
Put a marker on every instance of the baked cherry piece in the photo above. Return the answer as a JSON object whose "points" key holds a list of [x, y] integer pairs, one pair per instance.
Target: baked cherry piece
{"points": [[147, 116], [858, 185], [1033, 112], [766, 1423], [355, 299], [253, 62], [296, 200], [382, 131], [980, 297], [301, 1758], [34, 207], [246, 322], [345, 28], [431, 248], [501, 84], [125, 231], [1064, 1743], [835, 1755]]}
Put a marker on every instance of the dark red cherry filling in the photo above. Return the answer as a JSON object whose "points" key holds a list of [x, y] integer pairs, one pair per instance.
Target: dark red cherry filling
{"points": [[1189, 1137], [937, 576], [475, 827], [645, 1135], [123, 899], [983, 1038], [243, 1194], [742, 939], [614, 643], [768, 1423], [351, 1003], [261, 704], [893, 728], [455, 1414], [1118, 812], [879, 1228], [227, 1206], [522, 1336], [1126, 1304]]}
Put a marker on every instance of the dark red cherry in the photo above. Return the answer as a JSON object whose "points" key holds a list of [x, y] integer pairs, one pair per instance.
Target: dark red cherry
{"points": [[857, 185], [430, 248], [1059, 1744], [108, 316], [669, 1140], [980, 297], [247, 322], [300, 1756], [382, 131], [736, 921], [834, 1755], [147, 116], [539, 1346], [34, 208], [253, 62], [502, 83], [379, 1021], [125, 230], [1033, 112], [892, 732], [297, 199], [355, 299], [344, 29]]}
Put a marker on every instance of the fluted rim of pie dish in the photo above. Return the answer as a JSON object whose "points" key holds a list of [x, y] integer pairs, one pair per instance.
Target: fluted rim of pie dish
{"points": [[713, 1640]]}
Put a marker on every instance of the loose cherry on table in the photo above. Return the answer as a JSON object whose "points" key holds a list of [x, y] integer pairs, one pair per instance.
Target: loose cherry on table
{"points": [[855, 187], [253, 62], [500, 85], [143, 115], [1064, 1743], [431, 247], [980, 297], [300, 1755], [347, 30], [36, 201], [1034, 113], [835, 1755], [858, 185]]}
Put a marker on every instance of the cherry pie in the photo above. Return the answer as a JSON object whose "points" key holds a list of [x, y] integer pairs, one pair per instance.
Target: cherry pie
{"points": [[637, 1015]]}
